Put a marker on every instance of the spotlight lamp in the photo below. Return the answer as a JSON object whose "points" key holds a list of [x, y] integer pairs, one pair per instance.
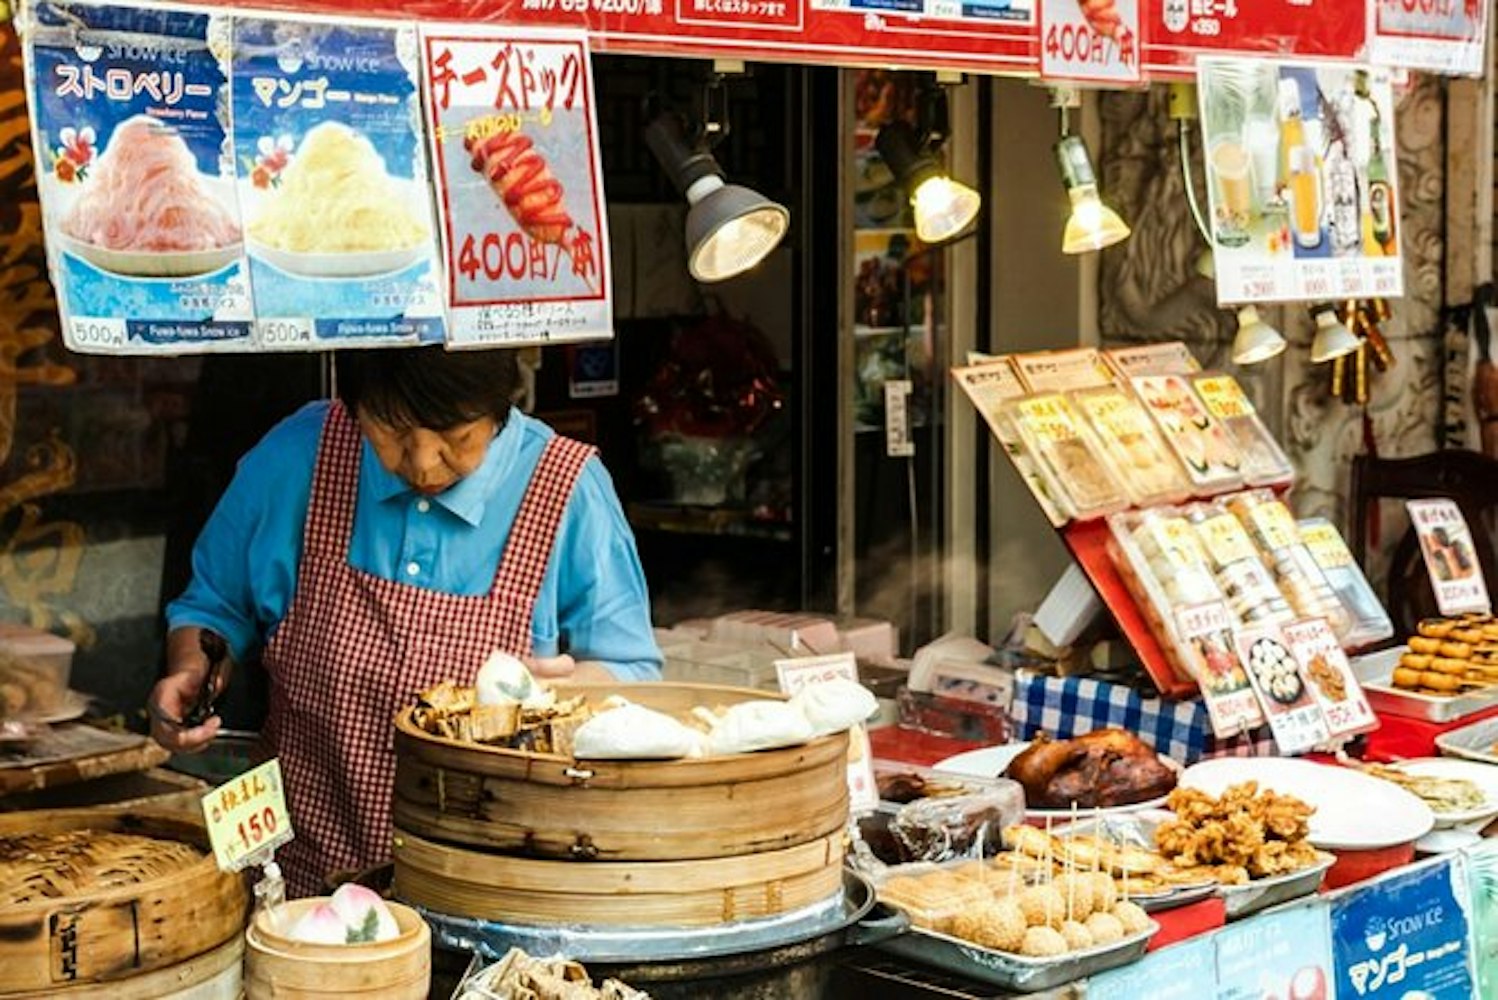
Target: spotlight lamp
{"points": [[1091, 224], [1256, 340], [729, 228], [943, 208], [1334, 339]]}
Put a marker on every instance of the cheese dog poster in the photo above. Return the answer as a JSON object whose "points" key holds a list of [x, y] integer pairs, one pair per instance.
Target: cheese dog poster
{"points": [[519, 181]]}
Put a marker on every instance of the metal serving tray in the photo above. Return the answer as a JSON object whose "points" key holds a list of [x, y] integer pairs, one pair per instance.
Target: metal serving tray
{"points": [[1262, 893], [1014, 972], [1474, 742], [1375, 671]]}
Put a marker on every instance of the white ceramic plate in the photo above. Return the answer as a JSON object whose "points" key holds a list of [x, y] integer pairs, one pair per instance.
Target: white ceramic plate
{"points": [[1354, 811], [154, 264], [1484, 776], [340, 265], [990, 762]]}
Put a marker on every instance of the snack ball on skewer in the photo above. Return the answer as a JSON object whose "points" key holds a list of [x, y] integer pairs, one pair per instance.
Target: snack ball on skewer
{"points": [[1000, 925], [1077, 935], [1105, 928], [1132, 916], [1104, 891], [1043, 942], [1076, 888], [1043, 906]]}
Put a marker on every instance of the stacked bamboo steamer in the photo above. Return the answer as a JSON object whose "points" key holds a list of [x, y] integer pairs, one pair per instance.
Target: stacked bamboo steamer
{"points": [[278, 967], [124, 905], [533, 839]]}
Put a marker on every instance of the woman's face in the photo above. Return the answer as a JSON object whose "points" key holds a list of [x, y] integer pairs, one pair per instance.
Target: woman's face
{"points": [[430, 461]]}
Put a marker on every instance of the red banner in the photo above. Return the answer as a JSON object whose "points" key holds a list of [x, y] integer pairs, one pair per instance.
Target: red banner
{"points": [[1177, 31]]}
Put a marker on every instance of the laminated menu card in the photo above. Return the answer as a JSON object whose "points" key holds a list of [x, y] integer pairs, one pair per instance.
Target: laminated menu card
{"points": [[1336, 690], [1208, 647], [1199, 441], [1284, 691]]}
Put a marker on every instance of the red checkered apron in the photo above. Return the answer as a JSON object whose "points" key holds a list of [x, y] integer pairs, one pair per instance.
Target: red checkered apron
{"points": [[355, 648]]}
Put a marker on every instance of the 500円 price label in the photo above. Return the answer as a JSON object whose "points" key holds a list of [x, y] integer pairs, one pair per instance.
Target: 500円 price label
{"points": [[247, 817]]}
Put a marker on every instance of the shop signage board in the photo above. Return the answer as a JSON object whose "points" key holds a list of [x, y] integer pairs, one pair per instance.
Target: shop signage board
{"points": [[332, 183], [1442, 36], [1095, 41], [1481, 864], [1301, 180], [1450, 559], [1177, 32], [1405, 936], [1280, 953], [1182, 971], [519, 183], [131, 105], [247, 817]]}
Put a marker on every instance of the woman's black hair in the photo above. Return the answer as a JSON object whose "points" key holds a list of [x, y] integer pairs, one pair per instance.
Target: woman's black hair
{"points": [[428, 387]]}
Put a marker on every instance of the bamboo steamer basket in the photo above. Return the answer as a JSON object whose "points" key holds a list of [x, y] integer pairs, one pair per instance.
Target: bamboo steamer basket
{"points": [[279, 968], [551, 806], [213, 975], [456, 881], [131, 916]]}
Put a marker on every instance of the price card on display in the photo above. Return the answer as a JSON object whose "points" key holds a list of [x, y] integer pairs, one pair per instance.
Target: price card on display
{"points": [[1279, 953], [519, 181], [1090, 40], [1168, 358], [1206, 632], [1284, 691], [1330, 676], [1058, 371], [1184, 971], [1443, 36], [247, 817], [796, 673], [1403, 937], [1450, 559]]}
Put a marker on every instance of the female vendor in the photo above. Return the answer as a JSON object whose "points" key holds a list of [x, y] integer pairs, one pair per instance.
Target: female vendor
{"points": [[380, 544]]}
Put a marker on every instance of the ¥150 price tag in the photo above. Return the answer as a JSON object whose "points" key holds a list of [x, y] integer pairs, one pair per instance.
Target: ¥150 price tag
{"points": [[247, 817]]}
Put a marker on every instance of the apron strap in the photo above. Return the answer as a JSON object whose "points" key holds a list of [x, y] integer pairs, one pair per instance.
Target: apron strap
{"points": [[523, 565], [335, 483]]}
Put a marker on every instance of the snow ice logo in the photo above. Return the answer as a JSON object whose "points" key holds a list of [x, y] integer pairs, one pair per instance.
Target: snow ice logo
{"points": [[1376, 933], [289, 61], [89, 53]]}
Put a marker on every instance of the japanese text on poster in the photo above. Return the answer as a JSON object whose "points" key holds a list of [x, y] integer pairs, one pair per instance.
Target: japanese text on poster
{"points": [[1337, 691], [1301, 180], [1405, 937], [331, 163], [1284, 691], [130, 128], [1286, 953], [1443, 36], [1091, 40], [1206, 634], [519, 184], [1450, 559]]}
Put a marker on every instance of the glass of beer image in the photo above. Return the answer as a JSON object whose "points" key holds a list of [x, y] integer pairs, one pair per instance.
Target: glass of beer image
{"points": [[1305, 198], [1233, 188]]}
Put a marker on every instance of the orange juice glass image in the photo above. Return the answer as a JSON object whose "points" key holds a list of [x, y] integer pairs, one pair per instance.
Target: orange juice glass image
{"points": [[1305, 198], [1234, 190]]}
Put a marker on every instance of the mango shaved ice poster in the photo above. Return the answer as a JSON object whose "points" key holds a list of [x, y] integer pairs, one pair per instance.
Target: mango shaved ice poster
{"points": [[131, 133], [329, 154]]}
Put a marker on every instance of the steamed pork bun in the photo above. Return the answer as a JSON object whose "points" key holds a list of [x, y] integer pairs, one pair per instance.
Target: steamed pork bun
{"points": [[634, 732], [504, 679], [834, 705], [759, 725]]}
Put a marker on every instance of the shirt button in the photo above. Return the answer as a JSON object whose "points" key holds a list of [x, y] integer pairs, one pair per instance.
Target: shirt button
{"points": [[423, 505], [412, 568]]}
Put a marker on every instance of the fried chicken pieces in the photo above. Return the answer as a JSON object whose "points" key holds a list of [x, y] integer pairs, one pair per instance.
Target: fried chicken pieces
{"points": [[1261, 833]]}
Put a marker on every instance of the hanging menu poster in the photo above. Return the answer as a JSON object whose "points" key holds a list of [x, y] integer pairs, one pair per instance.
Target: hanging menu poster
{"points": [[1091, 40], [331, 162], [520, 184], [1443, 36], [1450, 559], [1301, 180], [130, 127], [1404, 937]]}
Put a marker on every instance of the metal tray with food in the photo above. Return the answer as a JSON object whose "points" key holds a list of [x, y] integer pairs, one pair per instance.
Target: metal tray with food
{"points": [[1375, 671], [1476, 741], [1015, 972], [1262, 893]]}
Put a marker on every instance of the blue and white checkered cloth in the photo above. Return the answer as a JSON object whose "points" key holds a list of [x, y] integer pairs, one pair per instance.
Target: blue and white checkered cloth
{"points": [[1064, 707]]}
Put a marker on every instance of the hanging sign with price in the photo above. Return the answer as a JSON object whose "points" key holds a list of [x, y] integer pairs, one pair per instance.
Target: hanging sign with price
{"points": [[247, 817], [519, 184], [1090, 40], [1443, 36]]}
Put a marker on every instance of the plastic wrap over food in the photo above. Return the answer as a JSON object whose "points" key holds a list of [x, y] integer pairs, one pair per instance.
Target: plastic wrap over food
{"points": [[958, 826]]}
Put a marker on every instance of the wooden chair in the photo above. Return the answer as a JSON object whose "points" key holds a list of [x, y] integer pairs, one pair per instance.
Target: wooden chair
{"points": [[1467, 477]]}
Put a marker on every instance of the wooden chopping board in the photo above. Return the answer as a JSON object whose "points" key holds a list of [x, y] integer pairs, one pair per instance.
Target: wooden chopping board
{"points": [[72, 752]]}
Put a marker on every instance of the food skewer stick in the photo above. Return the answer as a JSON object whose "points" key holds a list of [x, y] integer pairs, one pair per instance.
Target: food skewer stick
{"points": [[1071, 866], [1050, 865]]}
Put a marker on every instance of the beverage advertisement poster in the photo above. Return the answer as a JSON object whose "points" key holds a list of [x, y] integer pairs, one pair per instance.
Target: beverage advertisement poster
{"points": [[1481, 863], [1405, 937], [519, 181], [1301, 167], [131, 133], [1450, 559], [1282, 953], [1442, 36], [331, 163]]}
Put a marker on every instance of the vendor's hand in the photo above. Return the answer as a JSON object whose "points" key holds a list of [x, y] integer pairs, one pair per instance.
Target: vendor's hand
{"points": [[551, 668], [170, 701]]}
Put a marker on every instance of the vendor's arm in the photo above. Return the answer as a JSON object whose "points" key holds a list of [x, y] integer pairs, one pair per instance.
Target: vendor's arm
{"points": [[597, 588]]}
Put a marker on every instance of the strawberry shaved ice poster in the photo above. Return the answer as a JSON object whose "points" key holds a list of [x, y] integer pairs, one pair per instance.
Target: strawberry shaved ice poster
{"points": [[130, 124], [519, 183]]}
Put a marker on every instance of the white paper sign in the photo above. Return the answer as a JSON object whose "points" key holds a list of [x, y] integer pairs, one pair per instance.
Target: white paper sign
{"points": [[1284, 692], [798, 672], [1450, 559], [1443, 36]]}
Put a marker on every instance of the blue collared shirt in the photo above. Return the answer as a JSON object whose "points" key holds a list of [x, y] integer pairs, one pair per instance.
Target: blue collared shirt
{"points": [[593, 601]]}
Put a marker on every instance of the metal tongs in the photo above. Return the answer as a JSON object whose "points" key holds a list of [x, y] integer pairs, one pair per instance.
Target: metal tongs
{"points": [[217, 651]]}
